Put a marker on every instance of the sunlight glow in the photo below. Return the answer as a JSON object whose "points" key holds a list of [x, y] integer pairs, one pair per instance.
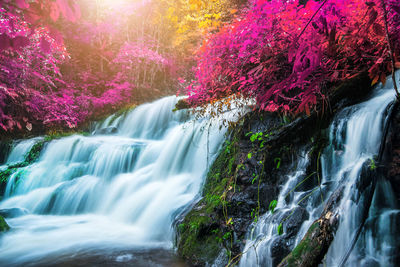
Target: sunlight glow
{"points": [[115, 4]]}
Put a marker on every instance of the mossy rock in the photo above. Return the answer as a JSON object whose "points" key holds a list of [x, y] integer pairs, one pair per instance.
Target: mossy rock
{"points": [[182, 104], [200, 237], [198, 244], [31, 157], [3, 225]]}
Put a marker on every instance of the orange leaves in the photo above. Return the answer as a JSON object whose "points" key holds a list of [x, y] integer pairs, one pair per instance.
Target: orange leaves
{"points": [[375, 80]]}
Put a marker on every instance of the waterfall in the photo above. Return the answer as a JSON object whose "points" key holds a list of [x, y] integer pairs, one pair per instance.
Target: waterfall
{"points": [[106, 195], [20, 149], [355, 137]]}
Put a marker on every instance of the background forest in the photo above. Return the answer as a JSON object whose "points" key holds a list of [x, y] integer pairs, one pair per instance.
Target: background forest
{"points": [[64, 63]]}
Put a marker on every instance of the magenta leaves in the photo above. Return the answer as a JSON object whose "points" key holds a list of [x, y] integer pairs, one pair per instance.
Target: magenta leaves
{"points": [[284, 54]]}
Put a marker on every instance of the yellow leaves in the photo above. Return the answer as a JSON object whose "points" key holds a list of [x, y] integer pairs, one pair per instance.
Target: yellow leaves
{"points": [[375, 80], [170, 11], [182, 29], [195, 4], [233, 11], [191, 19], [211, 21], [174, 19]]}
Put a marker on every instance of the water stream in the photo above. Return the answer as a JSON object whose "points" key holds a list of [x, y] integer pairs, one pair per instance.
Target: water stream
{"points": [[354, 137], [112, 197], [109, 198]]}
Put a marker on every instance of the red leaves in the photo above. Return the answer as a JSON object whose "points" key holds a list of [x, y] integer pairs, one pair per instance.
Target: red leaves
{"points": [[378, 29]]}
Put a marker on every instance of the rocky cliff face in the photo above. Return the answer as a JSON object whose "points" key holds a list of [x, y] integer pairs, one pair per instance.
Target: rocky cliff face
{"points": [[246, 177]]}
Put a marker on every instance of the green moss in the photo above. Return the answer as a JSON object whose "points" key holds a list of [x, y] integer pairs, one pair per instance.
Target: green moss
{"points": [[3, 225], [196, 243], [200, 239], [181, 104], [34, 153], [60, 134], [304, 247], [122, 112], [30, 157]]}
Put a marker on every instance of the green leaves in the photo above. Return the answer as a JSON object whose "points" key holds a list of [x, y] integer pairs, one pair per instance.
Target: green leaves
{"points": [[277, 161], [272, 205], [280, 229]]}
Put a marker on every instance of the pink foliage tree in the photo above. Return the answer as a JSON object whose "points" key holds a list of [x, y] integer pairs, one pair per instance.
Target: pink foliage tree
{"points": [[285, 54]]}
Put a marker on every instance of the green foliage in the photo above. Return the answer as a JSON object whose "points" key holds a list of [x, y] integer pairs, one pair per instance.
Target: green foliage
{"points": [[255, 177], [277, 161], [372, 165], [255, 213], [3, 225], [280, 229], [34, 153], [272, 205], [61, 134]]}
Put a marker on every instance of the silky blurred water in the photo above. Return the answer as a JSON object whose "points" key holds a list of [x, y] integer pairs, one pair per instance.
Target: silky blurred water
{"points": [[115, 196], [355, 136]]}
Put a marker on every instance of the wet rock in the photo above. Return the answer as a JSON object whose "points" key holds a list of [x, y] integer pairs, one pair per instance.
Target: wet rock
{"points": [[13, 213], [5, 148], [370, 263], [293, 223], [279, 249], [106, 131], [242, 182]]}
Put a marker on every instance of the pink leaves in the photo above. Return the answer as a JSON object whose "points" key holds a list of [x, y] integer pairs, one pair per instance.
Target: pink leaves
{"points": [[284, 70], [139, 53], [69, 9], [45, 45], [22, 4], [17, 43], [54, 11], [20, 42], [5, 42]]}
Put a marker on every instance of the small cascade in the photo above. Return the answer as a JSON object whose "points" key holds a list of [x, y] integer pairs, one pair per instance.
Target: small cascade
{"points": [[355, 137], [109, 194], [20, 149], [263, 236]]}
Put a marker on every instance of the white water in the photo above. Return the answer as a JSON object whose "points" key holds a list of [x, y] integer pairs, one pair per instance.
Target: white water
{"points": [[355, 137], [19, 150], [110, 192]]}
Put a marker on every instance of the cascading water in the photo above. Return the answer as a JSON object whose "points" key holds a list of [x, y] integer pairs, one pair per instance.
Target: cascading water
{"points": [[20, 149], [355, 138], [101, 197]]}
